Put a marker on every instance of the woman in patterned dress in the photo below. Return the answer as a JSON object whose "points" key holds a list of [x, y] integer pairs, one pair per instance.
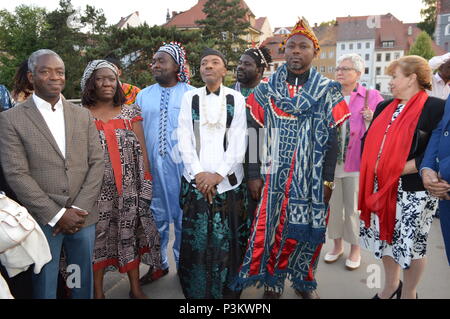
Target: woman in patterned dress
{"points": [[126, 233], [396, 210]]}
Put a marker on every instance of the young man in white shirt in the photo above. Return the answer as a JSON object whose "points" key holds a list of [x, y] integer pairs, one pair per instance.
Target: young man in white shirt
{"points": [[212, 143], [441, 79]]}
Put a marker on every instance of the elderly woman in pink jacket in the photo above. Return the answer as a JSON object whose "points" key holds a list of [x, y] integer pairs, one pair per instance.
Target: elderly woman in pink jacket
{"points": [[344, 222]]}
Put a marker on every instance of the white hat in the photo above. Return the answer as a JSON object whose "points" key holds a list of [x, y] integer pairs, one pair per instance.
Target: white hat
{"points": [[436, 62]]}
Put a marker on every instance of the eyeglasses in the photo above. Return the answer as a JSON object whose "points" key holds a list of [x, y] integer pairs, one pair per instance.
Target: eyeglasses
{"points": [[344, 69]]}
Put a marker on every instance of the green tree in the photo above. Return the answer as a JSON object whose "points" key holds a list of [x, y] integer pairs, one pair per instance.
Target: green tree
{"points": [[21, 34], [422, 46], [225, 26], [135, 47], [428, 14], [328, 23], [30, 28], [71, 33]]}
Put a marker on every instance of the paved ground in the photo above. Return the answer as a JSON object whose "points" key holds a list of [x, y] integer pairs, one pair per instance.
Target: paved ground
{"points": [[335, 282]]}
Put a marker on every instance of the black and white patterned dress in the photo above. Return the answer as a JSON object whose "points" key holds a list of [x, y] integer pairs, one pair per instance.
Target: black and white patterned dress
{"points": [[414, 215]]}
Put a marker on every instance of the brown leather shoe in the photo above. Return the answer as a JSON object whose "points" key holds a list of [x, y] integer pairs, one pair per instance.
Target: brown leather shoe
{"points": [[271, 295], [312, 294]]}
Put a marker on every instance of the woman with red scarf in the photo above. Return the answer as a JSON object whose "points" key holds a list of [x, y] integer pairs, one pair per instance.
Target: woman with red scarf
{"points": [[396, 210]]}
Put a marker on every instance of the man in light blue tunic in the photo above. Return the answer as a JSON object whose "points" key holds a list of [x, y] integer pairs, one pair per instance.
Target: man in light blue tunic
{"points": [[160, 104]]}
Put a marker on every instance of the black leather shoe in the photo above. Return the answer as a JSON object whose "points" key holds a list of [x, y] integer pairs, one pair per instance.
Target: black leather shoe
{"points": [[397, 294], [312, 294], [153, 275]]}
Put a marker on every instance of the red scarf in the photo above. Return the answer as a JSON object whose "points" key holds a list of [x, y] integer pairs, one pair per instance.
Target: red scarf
{"points": [[391, 164]]}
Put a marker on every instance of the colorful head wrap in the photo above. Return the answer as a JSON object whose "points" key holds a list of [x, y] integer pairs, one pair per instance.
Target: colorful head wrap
{"points": [[92, 67], [302, 27], [178, 53], [261, 55]]}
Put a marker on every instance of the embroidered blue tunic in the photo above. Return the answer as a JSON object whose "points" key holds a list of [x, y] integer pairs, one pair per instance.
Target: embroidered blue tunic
{"points": [[160, 109]]}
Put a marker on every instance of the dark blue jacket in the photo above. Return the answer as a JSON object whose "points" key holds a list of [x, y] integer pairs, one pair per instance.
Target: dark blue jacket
{"points": [[437, 155]]}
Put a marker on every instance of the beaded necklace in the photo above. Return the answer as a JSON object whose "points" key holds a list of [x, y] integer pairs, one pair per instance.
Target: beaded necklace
{"points": [[204, 110]]}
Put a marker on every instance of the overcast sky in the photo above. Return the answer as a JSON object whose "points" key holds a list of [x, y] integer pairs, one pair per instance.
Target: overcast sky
{"points": [[279, 12]]}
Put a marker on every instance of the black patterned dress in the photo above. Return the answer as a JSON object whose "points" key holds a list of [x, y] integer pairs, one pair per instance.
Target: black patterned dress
{"points": [[414, 216], [126, 233], [214, 239]]}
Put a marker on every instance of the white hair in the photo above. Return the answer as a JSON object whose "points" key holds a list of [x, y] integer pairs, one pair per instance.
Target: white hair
{"points": [[32, 60], [355, 59]]}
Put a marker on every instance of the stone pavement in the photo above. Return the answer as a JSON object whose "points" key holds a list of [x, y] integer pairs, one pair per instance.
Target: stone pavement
{"points": [[334, 281]]}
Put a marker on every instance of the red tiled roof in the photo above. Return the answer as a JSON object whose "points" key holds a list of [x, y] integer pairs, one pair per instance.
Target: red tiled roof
{"points": [[327, 34], [354, 28], [391, 29], [415, 33], [187, 18], [259, 23], [123, 20], [273, 44], [443, 6]]}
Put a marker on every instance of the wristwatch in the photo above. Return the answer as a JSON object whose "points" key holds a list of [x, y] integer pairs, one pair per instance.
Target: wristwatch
{"points": [[330, 185]]}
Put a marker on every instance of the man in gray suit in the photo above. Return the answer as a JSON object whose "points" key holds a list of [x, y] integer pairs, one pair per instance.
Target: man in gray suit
{"points": [[53, 160]]}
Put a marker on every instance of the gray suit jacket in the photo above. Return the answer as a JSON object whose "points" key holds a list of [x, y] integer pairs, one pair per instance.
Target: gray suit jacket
{"points": [[43, 180]]}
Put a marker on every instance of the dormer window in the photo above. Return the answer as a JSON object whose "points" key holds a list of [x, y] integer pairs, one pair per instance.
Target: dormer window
{"points": [[387, 44]]}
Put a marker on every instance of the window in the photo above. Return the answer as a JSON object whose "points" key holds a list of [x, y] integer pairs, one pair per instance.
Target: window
{"points": [[343, 46], [378, 71], [388, 57], [396, 56], [351, 46], [322, 69], [359, 46], [367, 71], [378, 86], [367, 57], [331, 54], [323, 55], [330, 69], [387, 44], [378, 57], [447, 29], [367, 45]]}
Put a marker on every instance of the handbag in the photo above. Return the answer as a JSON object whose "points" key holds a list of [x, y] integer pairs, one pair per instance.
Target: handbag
{"points": [[16, 224]]}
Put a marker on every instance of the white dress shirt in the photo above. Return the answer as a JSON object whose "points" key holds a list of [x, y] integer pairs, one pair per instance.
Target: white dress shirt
{"points": [[213, 158], [440, 88], [56, 124]]}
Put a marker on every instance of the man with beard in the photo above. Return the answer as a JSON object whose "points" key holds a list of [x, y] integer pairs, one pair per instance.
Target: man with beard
{"points": [[299, 109], [160, 104], [249, 73]]}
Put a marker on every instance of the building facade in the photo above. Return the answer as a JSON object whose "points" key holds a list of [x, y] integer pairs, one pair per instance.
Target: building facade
{"points": [[442, 32], [187, 21], [357, 35]]}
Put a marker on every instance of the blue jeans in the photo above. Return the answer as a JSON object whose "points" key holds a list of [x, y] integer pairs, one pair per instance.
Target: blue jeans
{"points": [[79, 250]]}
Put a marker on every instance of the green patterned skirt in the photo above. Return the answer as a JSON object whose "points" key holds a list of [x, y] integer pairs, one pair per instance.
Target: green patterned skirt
{"points": [[213, 242]]}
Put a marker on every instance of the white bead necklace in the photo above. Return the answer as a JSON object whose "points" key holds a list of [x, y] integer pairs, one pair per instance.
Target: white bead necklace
{"points": [[216, 125]]}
